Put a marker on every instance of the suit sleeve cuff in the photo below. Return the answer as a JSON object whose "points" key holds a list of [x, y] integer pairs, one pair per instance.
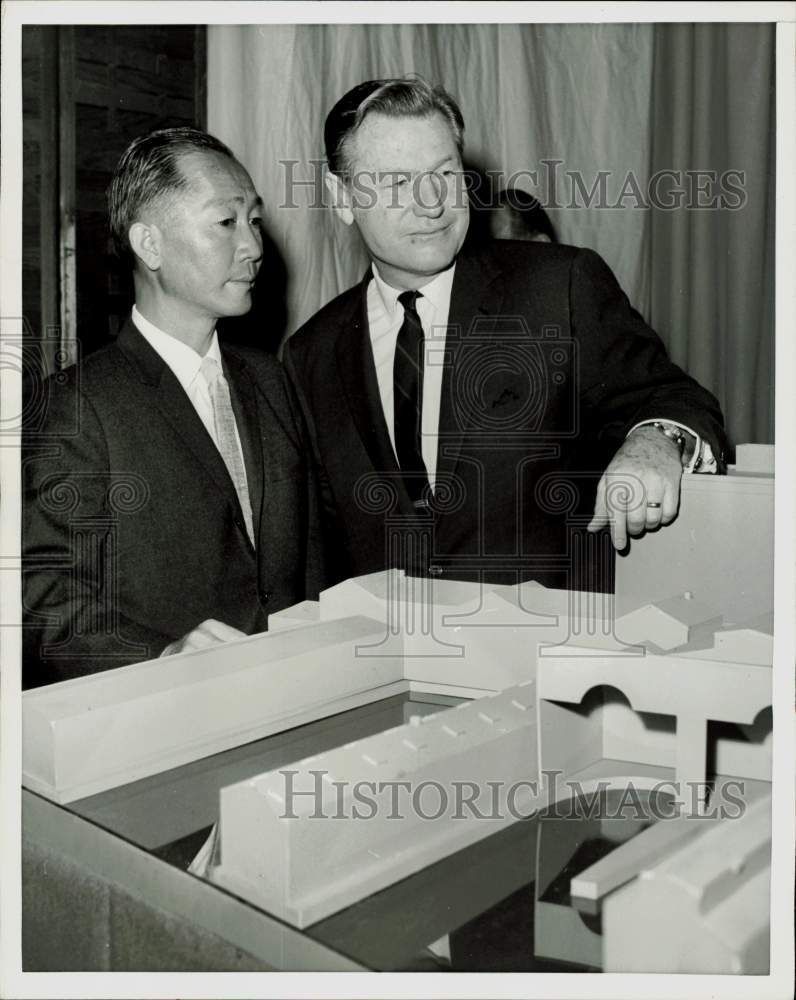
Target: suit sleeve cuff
{"points": [[702, 459]]}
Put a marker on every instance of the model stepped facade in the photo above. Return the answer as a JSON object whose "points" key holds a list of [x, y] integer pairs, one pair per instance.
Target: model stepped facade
{"points": [[282, 847], [455, 635], [460, 636]]}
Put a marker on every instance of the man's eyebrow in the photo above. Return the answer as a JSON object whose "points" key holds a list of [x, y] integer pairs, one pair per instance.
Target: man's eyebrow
{"points": [[212, 202], [444, 160], [405, 171]]}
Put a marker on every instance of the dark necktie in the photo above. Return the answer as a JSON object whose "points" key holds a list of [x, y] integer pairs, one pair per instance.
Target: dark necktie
{"points": [[408, 400]]}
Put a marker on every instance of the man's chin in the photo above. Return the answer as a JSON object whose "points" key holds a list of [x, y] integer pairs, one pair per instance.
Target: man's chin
{"points": [[238, 305], [438, 254], [436, 261]]}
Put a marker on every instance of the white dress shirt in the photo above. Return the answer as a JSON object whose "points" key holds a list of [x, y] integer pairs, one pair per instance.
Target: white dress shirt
{"points": [[185, 363], [385, 318]]}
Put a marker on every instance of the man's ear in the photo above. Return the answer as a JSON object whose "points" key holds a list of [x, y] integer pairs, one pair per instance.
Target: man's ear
{"points": [[341, 197], [145, 240]]}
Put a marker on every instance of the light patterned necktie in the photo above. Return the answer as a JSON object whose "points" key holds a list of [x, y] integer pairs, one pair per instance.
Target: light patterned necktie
{"points": [[226, 439]]}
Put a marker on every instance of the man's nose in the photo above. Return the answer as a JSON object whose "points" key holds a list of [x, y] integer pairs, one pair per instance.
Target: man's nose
{"points": [[250, 246], [429, 195]]}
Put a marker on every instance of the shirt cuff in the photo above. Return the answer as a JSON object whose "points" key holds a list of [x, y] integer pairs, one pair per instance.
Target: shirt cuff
{"points": [[702, 461]]}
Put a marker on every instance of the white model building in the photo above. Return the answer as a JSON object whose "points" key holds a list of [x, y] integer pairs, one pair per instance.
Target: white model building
{"points": [[701, 908], [668, 624], [309, 839], [92, 733], [554, 690]]}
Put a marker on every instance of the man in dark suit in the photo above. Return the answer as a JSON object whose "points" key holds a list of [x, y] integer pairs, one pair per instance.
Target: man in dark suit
{"points": [[169, 502], [465, 402]]}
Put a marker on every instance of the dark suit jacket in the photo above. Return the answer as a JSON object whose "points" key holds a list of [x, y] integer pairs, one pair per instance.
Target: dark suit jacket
{"points": [[132, 529], [547, 368]]}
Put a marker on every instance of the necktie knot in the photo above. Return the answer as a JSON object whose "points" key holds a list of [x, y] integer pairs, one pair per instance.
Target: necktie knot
{"points": [[408, 300], [210, 369]]}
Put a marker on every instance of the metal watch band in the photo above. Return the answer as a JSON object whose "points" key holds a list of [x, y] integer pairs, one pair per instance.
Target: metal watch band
{"points": [[673, 433]]}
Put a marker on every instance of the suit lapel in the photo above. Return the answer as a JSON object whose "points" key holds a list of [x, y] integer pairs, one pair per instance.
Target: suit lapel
{"points": [[175, 407], [357, 371], [475, 293]]}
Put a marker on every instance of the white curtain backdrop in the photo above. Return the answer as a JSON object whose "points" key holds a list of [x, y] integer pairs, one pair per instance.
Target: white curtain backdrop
{"points": [[580, 94], [621, 103], [712, 273]]}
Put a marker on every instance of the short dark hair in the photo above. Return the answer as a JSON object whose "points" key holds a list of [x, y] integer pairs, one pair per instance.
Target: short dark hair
{"points": [[149, 169], [403, 97], [529, 209]]}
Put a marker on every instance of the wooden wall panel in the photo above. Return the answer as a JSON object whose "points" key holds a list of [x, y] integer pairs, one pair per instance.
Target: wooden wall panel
{"points": [[116, 82]]}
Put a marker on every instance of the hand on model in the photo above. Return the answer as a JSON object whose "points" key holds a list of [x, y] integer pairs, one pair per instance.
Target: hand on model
{"points": [[640, 489], [208, 633]]}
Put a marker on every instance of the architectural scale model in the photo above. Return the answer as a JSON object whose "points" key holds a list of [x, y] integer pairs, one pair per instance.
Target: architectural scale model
{"points": [[692, 690], [709, 548], [668, 624], [561, 931], [596, 689], [389, 634], [458, 635], [702, 908], [92, 733], [591, 744], [626, 862], [312, 838]]}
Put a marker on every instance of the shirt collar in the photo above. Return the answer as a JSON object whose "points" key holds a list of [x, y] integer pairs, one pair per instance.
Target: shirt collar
{"points": [[437, 291], [183, 361]]}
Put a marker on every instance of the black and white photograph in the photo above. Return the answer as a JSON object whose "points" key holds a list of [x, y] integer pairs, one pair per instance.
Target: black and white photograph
{"points": [[397, 499]]}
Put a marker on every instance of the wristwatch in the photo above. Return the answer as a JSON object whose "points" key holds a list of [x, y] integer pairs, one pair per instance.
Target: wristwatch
{"points": [[689, 445]]}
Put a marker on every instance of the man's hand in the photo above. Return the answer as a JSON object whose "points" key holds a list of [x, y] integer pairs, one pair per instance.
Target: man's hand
{"points": [[208, 633], [640, 489]]}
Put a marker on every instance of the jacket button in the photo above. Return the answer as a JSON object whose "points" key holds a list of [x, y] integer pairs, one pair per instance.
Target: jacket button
{"points": [[434, 570], [265, 596], [237, 522]]}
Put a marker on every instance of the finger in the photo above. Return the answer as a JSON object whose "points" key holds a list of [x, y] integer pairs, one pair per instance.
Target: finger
{"points": [[653, 515], [186, 644], [618, 494], [639, 515], [208, 633], [600, 517], [653, 506], [199, 638], [619, 528], [219, 631]]}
